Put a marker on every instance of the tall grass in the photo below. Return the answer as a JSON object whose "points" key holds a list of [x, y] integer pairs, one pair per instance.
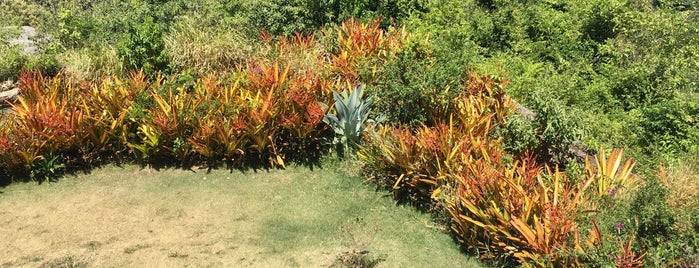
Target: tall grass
{"points": [[683, 182], [91, 64], [206, 49]]}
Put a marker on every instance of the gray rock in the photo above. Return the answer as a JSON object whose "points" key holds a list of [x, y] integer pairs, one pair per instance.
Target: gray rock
{"points": [[26, 40], [528, 115]]}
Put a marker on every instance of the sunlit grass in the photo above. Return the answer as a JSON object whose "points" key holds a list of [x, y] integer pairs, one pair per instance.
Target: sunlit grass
{"points": [[286, 218]]}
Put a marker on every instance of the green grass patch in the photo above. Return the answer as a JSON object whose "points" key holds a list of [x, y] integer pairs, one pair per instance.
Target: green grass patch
{"points": [[286, 218]]}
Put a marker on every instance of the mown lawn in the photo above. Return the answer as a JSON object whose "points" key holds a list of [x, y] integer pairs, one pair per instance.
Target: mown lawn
{"points": [[134, 217]]}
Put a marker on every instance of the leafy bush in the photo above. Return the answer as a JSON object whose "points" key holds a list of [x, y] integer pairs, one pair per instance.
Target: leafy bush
{"points": [[670, 127], [143, 47], [557, 127], [285, 17], [650, 210], [22, 13], [11, 61], [73, 29], [411, 88], [519, 135]]}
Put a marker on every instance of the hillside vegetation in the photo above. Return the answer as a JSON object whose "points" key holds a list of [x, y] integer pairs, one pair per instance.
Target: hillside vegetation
{"points": [[498, 116]]}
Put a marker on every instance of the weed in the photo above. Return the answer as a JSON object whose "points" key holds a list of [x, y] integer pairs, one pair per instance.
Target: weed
{"points": [[357, 256], [69, 261], [176, 254], [134, 248], [48, 168]]}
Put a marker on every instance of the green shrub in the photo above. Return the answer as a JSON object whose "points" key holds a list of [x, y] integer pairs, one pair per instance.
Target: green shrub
{"points": [[652, 214], [599, 24], [73, 29], [614, 128], [45, 62], [22, 13], [11, 61], [670, 127], [288, 16], [142, 47], [415, 84], [549, 135], [519, 135], [639, 86]]}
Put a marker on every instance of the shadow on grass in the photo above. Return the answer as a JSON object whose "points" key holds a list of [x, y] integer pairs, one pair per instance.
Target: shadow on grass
{"points": [[74, 163]]}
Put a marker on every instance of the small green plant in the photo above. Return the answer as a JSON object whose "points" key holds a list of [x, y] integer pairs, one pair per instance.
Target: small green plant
{"points": [[46, 169], [351, 118]]}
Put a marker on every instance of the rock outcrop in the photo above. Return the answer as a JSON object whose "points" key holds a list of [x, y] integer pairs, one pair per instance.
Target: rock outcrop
{"points": [[25, 40]]}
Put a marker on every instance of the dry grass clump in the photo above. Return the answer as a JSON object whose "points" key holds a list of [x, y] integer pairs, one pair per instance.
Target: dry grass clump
{"points": [[302, 51], [683, 182], [208, 50], [86, 64]]}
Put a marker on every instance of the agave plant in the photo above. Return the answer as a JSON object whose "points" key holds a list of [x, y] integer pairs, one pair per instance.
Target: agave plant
{"points": [[351, 115]]}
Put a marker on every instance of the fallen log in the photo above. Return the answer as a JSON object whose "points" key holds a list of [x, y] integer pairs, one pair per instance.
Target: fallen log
{"points": [[8, 92]]}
